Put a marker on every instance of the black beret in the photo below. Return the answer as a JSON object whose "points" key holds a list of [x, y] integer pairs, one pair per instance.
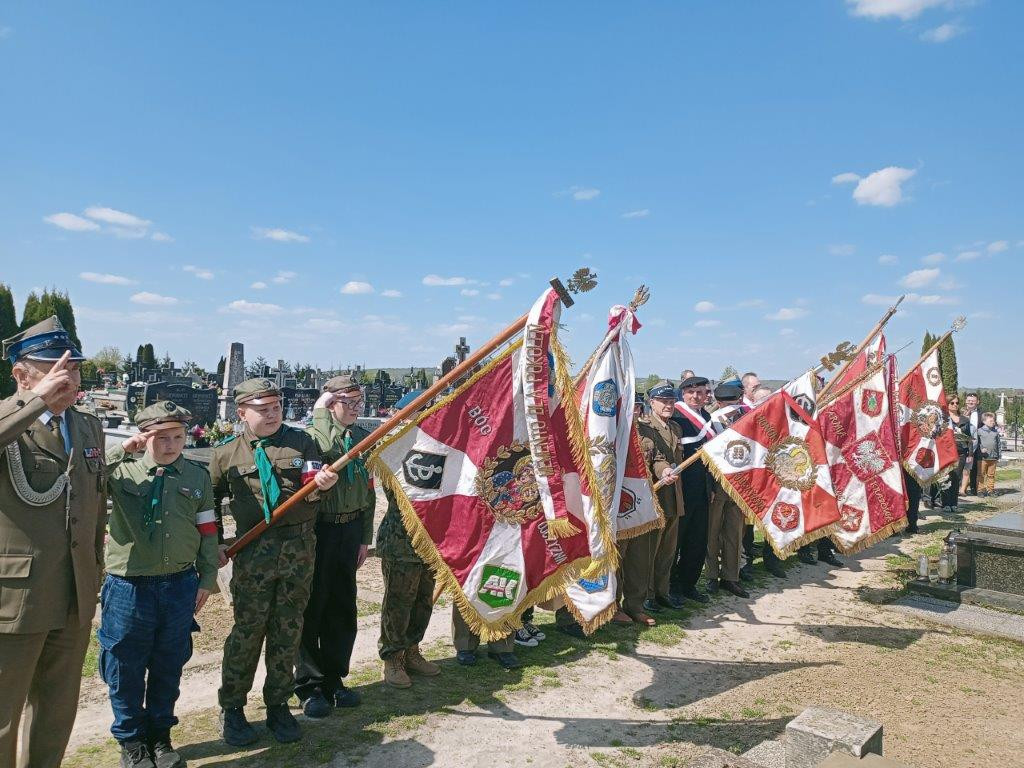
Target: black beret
{"points": [[693, 381], [728, 392]]}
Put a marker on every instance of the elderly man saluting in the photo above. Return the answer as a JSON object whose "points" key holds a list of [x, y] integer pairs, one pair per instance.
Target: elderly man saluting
{"points": [[52, 510]]}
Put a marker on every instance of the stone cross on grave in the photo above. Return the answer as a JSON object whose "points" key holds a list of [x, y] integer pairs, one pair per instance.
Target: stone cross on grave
{"points": [[461, 349]]}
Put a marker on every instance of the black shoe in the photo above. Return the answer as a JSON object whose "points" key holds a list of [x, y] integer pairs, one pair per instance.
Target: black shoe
{"points": [[734, 588], [911, 530], [507, 660], [282, 723], [696, 595], [466, 658], [135, 754], [164, 755], [712, 586], [775, 569], [653, 606], [346, 698], [673, 602], [831, 559], [235, 729], [806, 558], [572, 630], [747, 572], [316, 706]]}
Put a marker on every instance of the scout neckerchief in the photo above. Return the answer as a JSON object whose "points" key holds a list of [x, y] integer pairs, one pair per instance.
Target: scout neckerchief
{"points": [[704, 427], [154, 512], [268, 480], [356, 466]]}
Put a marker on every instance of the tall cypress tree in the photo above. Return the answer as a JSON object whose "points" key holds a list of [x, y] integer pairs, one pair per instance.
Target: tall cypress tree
{"points": [[149, 356], [947, 365], [8, 327], [928, 343], [52, 302], [140, 354]]}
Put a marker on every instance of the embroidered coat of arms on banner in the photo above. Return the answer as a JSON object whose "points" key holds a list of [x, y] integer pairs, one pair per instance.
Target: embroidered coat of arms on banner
{"points": [[929, 448], [772, 462], [862, 443], [490, 481], [605, 400]]}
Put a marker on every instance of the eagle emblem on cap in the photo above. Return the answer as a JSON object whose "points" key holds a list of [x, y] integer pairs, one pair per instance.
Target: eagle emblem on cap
{"points": [[169, 406]]}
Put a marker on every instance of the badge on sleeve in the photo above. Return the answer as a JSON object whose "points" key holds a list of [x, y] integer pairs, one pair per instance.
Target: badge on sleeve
{"points": [[92, 453]]}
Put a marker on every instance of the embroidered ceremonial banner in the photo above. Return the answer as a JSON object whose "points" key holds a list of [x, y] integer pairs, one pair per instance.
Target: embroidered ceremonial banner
{"points": [[490, 481], [871, 355], [605, 400], [929, 447], [772, 462], [862, 444]]}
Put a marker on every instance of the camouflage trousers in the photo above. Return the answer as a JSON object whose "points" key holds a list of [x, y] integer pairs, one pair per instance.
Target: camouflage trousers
{"points": [[270, 586], [408, 603]]}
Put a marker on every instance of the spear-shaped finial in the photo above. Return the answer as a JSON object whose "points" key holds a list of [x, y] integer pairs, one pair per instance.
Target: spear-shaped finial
{"points": [[640, 297]]}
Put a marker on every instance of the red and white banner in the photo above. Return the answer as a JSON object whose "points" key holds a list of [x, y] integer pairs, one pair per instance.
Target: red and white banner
{"points": [[872, 355], [862, 443], [605, 398], [929, 448], [772, 462], [490, 481]]}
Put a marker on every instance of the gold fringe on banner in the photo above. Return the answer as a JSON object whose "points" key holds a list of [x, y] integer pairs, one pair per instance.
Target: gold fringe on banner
{"points": [[895, 526], [938, 477], [590, 627]]}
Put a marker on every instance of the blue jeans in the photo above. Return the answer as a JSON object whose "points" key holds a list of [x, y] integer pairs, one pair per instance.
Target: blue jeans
{"points": [[145, 639]]}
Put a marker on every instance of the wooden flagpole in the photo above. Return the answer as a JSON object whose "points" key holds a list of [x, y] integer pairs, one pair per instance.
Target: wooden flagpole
{"points": [[580, 282], [958, 325], [867, 340]]}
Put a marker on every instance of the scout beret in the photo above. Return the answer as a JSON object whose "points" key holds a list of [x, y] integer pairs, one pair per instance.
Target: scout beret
{"points": [[45, 341], [160, 415], [342, 383], [728, 392], [663, 389], [255, 392], [693, 381]]}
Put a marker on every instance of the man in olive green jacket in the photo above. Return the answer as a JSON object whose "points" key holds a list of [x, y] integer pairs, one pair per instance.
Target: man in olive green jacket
{"points": [[344, 530], [52, 521]]}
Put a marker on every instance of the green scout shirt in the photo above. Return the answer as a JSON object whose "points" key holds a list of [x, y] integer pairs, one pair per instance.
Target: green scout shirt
{"points": [[171, 542], [393, 542], [234, 474], [355, 498]]}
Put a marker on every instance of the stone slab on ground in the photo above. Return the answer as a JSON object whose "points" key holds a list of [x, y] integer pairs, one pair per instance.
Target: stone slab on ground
{"points": [[719, 758], [839, 760], [768, 754], [969, 618], [815, 733]]}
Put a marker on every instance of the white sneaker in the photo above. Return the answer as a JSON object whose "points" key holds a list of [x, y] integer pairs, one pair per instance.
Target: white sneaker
{"points": [[535, 633], [523, 637]]}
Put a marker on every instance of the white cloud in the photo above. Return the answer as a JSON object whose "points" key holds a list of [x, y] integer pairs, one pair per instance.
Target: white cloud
{"points": [[162, 237], [704, 306], [707, 323], [469, 292], [494, 296], [919, 278], [883, 187], [968, 255], [117, 218], [259, 285], [641, 213], [934, 258], [506, 282], [584, 193], [354, 287], [942, 33], [998, 246], [201, 272], [786, 332], [105, 279], [153, 299], [884, 9], [391, 293], [887, 259], [284, 276], [126, 233], [243, 307], [435, 280], [910, 298], [278, 235], [71, 222], [787, 313], [842, 249]]}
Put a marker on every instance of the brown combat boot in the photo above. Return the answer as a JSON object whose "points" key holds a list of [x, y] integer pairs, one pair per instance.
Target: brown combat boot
{"points": [[415, 663], [394, 671]]}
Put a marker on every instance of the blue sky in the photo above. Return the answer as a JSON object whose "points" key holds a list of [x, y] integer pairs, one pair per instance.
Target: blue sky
{"points": [[363, 183]]}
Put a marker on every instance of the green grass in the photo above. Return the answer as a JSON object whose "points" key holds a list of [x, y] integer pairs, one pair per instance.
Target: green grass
{"points": [[92, 655], [1006, 475], [366, 607]]}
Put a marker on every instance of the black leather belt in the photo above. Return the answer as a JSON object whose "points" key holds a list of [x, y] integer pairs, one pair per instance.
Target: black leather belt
{"points": [[341, 518]]}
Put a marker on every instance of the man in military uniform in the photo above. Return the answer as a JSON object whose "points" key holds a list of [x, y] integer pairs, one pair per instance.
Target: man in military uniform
{"points": [[52, 520], [725, 518], [259, 470], [162, 559], [408, 602], [466, 643], [659, 441], [344, 530]]}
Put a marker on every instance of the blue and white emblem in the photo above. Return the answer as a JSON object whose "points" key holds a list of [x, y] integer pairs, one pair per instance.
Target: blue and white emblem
{"points": [[605, 399], [593, 586]]}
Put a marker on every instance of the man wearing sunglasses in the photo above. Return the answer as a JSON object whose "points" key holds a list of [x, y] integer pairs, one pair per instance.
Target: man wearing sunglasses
{"points": [[344, 530]]}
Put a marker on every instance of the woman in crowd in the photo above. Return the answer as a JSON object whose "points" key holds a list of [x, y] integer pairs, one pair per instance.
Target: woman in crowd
{"points": [[961, 426]]}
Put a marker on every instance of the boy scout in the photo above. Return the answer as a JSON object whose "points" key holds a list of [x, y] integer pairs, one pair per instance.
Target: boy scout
{"points": [[408, 602], [271, 577], [659, 440], [344, 530], [52, 516], [162, 560]]}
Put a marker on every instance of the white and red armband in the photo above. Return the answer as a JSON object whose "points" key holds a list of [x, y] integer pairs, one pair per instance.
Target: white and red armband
{"points": [[206, 522], [309, 470]]}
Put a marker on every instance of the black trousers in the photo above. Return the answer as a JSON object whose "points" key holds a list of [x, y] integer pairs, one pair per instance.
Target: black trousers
{"points": [[748, 544], [823, 546], [329, 628], [693, 531], [913, 500], [972, 483]]}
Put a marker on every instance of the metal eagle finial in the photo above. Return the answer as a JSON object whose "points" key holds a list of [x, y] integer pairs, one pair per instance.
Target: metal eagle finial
{"points": [[582, 280], [959, 324]]}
